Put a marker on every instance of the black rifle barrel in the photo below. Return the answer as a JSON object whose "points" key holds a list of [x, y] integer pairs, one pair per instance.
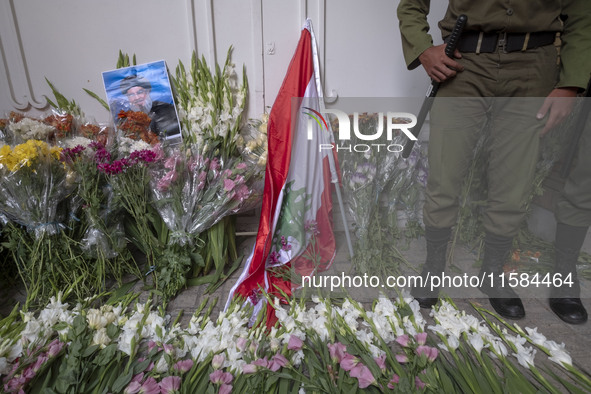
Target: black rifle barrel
{"points": [[452, 44]]}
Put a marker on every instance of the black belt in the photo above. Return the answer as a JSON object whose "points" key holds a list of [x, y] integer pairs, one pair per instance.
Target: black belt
{"points": [[480, 42]]}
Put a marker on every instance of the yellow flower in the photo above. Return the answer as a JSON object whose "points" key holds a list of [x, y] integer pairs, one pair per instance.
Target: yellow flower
{"points": [[26, 154]]}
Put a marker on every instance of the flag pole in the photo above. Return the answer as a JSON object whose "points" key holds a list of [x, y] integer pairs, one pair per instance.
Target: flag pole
{"points": [[333, 170]]}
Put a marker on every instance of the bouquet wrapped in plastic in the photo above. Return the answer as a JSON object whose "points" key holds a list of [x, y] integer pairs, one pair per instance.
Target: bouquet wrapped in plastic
{"points": [[379, 187], [193, 192], [33, 183]]}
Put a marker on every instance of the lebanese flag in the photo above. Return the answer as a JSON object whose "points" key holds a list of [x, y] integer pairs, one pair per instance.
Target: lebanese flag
{"points": [[295, 227]]}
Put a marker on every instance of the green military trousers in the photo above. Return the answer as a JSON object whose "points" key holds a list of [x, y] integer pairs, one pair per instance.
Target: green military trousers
{"points": [[501, 93], [574, 204]]}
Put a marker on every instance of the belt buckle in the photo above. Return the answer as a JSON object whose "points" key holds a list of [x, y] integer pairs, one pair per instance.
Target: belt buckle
{"points": [[502, 41]]}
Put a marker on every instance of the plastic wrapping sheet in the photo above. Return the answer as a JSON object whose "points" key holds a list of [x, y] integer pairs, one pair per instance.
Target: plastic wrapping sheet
{"points": [[32, 186], [192, 191], [382, 179]]}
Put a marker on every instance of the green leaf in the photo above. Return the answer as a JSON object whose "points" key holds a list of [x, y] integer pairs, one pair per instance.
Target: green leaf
{"points": [[121, 382], [97, 98], [89, 350]]}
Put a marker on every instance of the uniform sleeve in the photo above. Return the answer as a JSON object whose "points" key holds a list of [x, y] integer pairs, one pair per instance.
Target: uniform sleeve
{"points": [[575, 52], [414, 30]]}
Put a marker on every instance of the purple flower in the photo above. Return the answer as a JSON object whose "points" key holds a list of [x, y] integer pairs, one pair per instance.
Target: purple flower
{"points": [[294, 343], [219, 377], [403, 340], [311, 227], [395, 379], [170, 384], [183, 365], [381, 362], [274, 257], [218, 361], [277, 362], [55, 348], [249, 368], [402, 358], [242, 192], [225, 389], [284, 245], [421, 338], [428, 351], [133, 387], [241, 166], [419, 383], [228, 184], [261, 362], [337, 351], [348, 362], [241, 343], [165, 182], [150, 386], [363, 375]]}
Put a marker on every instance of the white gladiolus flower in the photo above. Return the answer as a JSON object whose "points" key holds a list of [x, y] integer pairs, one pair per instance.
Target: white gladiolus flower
{"points": [[525, 355], [561, 357], [535, 336], [476, 341], [101, 338], [161, 365]]}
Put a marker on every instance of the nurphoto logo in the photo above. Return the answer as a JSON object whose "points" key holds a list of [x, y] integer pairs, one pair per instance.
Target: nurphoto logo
{"points": [[344, 123]]}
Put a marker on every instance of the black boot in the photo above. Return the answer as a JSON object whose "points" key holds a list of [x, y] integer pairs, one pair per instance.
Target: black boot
{"points": [[437, 240], [565, 300], [502, 298]]}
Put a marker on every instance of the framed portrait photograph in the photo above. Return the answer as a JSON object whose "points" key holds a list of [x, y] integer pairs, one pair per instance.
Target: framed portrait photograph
{"points": [[141, 102]]}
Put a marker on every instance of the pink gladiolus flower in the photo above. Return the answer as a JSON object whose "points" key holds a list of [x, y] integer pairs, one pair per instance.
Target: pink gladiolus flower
{"points": [[228, 185], [337, 351], [428, 351], [261, 362], [363, 375], [395, 379], [403, 340], [348, 362], [249, 368], [277, 362], [220, 377], [165, 182], [419, 383], [170, 163], [214, 164], [294, 343], [421, 338], [170, 384], [55, 348], [218, 361], [241, 343], [183, 365], [138, 378], [133, 387], [168, 348], [225, 389], [42, 359], [381, 361], [402, 358], [241, 166], [151, 345], [150, 386]]}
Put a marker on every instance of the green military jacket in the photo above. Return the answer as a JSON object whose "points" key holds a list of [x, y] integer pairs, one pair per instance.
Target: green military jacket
{"points": [[570, 17]]}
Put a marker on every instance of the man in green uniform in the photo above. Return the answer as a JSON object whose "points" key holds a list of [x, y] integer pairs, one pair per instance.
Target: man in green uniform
{"points": [[507, 50], [573, 214]]}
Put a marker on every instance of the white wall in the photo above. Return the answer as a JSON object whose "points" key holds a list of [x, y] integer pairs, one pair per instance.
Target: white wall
{"points": [[71, 42]]}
